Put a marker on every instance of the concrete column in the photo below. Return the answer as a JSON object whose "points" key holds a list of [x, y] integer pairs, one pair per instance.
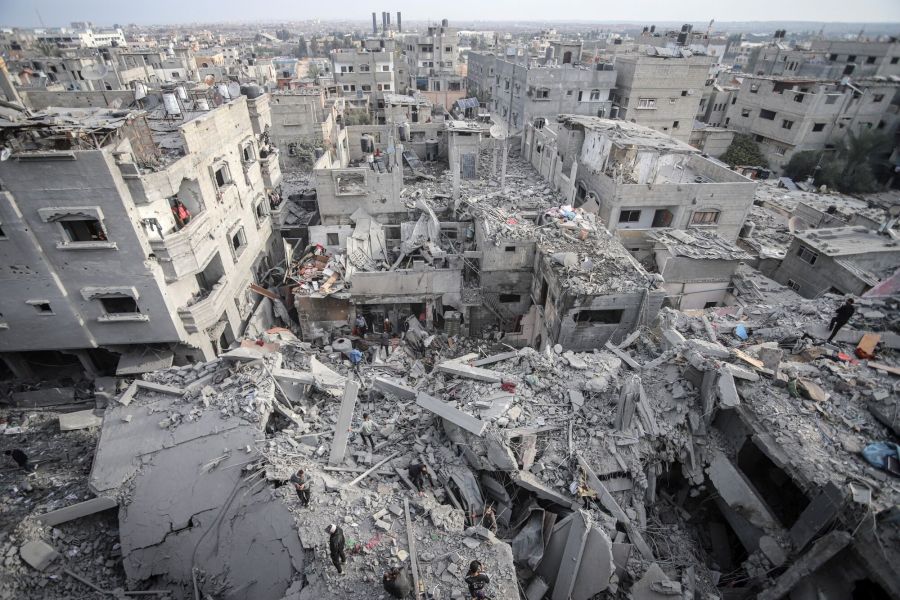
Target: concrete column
{"points": [[90, 369], [18, 365], [503, 165], [494, 159], [429, 307]]}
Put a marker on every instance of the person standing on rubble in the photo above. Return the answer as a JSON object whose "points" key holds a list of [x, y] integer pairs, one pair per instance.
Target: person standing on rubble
{"points": [[477, 581], [841, 317], [489, 518], [385, 343], [387, 326], [396, 582], [301, 485], [20, 457], [361, 326], [336, 546], [366, 429], [417, 474]]}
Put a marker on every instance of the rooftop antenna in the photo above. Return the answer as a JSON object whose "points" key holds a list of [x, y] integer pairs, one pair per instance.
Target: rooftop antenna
{"points": [[40, 18]]}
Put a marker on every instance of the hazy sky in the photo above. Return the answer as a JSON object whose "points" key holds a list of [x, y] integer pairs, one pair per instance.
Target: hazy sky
{"points": [[62, 12]]}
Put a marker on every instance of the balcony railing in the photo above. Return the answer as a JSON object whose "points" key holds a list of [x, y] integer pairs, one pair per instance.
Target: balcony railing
{"points": [[203, 314], [185, 252]]}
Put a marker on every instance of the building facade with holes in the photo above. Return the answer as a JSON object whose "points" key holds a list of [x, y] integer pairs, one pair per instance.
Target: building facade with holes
{"points": [[637, 179], [134, 232]]}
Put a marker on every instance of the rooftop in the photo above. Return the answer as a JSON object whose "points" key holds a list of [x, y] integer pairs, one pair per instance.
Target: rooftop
{"points": [[625, 134], [848, 241], [698, 244]]}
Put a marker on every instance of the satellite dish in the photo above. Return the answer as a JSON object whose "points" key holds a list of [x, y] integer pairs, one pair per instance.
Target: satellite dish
{"points": [[499, 131], [98, 71], [209, 80], [5, 153]]}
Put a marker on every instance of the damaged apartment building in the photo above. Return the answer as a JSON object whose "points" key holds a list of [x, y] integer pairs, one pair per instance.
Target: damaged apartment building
{"points": [[404, 237], [132, 234], [637, 179]]}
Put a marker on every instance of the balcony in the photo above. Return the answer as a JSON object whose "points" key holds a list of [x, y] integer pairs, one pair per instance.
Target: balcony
{"points": [[186, 251], [271, 170], [201, 314]]}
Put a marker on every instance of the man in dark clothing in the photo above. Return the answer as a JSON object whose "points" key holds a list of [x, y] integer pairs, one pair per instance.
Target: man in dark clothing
{"points": [[301, 484], [417, 474], [476, 580], [336, 546], [396, 582], [20, 457], [841, 316], [385, 343]]}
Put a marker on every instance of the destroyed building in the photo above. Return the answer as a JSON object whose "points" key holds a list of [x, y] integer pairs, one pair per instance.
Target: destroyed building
{"points": [[637, 179], [125, 228], [842, 260]]}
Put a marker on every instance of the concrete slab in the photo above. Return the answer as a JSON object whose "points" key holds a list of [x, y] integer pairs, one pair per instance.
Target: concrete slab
{"points": [[531, 483], [38, 554], [571, 557], [709, 349], [394, 388], [672, 339], [646, 587], [462, 370], [740, 372], [82, 419], [77, 511], [158, 387], [597, 566], [621, 553], [450, 413], [738, 493], [494, 358], [821, 552], [818, 514], [626, 358], [553, 550], [727, 390], [342, 428]]}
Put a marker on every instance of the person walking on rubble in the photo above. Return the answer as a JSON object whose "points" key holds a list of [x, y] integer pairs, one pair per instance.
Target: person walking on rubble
{"points": [[417, 474], [336, 546], [396, 582], [301, 485], [489, 518], [20, 457], [385, 343], [477, 581], [366, 429], [841, 317]]}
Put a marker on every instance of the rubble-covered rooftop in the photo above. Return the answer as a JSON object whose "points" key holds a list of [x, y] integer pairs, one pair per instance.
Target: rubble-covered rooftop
{"points": [[848, 241], [625, 134], [698, 244]]}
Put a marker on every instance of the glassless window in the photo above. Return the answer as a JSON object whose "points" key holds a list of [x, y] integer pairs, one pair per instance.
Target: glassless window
{"points": [[705, 217], [629, 216], [807, 255]]}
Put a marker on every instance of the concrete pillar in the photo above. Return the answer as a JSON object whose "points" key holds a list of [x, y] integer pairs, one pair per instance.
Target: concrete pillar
{"points": [[90, 369], [454, 171], [503, 165], [18, 365], [494, 159], [429, 307]]}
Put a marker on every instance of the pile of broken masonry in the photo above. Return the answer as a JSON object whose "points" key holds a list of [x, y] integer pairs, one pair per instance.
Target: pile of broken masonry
{"points": [[600, 466]]}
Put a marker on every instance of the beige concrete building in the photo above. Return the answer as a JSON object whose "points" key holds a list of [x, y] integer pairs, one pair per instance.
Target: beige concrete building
{"points": [[95, 260]]}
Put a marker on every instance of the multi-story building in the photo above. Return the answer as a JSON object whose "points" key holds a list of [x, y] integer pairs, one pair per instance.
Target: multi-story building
{"points": [[661, 91], [842, 260], [80, 35], [432, 64], [363, 76], [302, 120], [638, 179], [519, 93], [827, 59], [97, 258], [789, 114]]}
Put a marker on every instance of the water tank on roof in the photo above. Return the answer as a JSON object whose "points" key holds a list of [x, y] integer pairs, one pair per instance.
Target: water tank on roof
{"points": [[445, 23], [432, 149], [222, 88], [367, 144], [140, 90], [170, 100], [252, 91], [404, 132]]}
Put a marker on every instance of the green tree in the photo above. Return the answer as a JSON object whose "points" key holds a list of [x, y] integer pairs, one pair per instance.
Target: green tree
{"points": [[302, 51], [314, 47], [744, 151], [802, 165], [312, 72], [863, 154]]}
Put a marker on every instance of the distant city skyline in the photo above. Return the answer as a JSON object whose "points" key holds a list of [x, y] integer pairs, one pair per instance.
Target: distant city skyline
{"points": [[58, 13]]}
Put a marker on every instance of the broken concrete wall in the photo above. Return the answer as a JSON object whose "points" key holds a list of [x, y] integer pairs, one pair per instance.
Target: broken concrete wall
{"points": [[341, 192]]}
